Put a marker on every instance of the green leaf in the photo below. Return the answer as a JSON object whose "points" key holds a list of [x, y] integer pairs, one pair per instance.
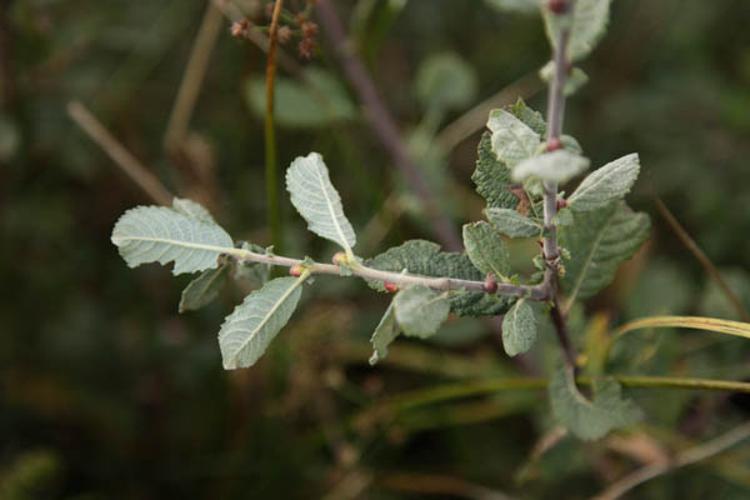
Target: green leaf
{"points": [[319, 100], [420, 311], [317, 200], [486, 249], [445, 81], [247, 332], [512, 140], [519, 328], [181, 234], [203, 289], [599, 241], [607, 184], [587, 24], [492, 177], [529, 116], [425, 258], [586, 419], [511, 223], [385, 333], [558, 166]]}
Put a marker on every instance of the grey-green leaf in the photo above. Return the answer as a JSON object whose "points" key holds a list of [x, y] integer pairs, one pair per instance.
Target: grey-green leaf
{"points": [[558, 166], [599, 241], [317, 200], [446, 81], [420, 311], [512, 140], [586, 419], [176, 234], [609, 183], [250, 328], [519, 328], [425, 258], [385, 333], [203, 289], [486, 249], [511, 223], [492, 177], [587, 25]]}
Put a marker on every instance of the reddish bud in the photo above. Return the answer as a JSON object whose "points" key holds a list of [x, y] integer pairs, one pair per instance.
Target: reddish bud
{"points": [[490, 284], [390, 287], [558, 7], [340, 258], [296, 270], [239, 28], [554, 144], [561, 203], [284, 34]]}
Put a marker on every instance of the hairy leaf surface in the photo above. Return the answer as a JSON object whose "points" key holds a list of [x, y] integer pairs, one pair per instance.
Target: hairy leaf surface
{"points": [[588, 25], [558, 166], [512, 140], [519, 328], [599, 241], [250, 328], [590, 419], [486, 249], [492, 177], [511, 223], [317, 200], [420, 311], [609, 183], [184, 234], [425, 258]]}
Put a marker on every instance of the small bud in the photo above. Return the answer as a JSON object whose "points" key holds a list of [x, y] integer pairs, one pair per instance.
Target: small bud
{"points": [[340, 259], [554, 144], [296, 270], [390, 287], [558, 7], [284, 34], [490, 284], [239, 28], [561, 203]]}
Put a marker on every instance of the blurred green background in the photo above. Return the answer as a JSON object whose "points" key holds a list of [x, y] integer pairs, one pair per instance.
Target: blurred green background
{"points": [[108, 392]]}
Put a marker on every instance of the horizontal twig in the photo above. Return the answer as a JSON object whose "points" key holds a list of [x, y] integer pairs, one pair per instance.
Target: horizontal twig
{"points": [[399, 279]]}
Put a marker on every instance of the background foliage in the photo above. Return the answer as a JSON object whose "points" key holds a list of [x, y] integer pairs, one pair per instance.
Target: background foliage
{"points": [[108, 392]]}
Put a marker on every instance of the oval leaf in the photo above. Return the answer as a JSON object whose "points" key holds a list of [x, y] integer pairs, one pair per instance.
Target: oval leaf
{"points": [[164, 234], [247, 332], [486, 249], [519, 329], [607, 184], [512, 140], [511, 223], [385, 333], [317, 200], [558, 166], [420, 311], [203, 289]]}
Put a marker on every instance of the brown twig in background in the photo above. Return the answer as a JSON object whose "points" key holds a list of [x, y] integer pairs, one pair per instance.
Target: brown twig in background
{"points": [[193, 77], [383, 124], [708, 266], [475, 119], [129, 164], [685, 458]]}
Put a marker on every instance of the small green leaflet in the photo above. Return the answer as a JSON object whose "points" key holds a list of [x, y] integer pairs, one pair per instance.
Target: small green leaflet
{"points": [[250, 328], [599, 241], [204, 289], [609, 183], [486, 249], [586, 419], [318, 202], [385, 333], [587, 26], [519, 328], [446, 81], [558, 166], [512, 140], [420, 311], [492, 177], [511, 223], [184, 234]]}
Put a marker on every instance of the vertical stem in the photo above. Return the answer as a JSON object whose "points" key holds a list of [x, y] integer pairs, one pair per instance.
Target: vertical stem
{"points": [[555, 115], [272, 188]]}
